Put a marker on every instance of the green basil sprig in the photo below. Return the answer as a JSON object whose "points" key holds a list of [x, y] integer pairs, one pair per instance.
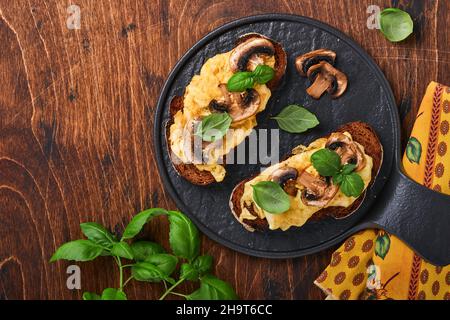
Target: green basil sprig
{"points": [[148, 261], [269, 196], [296, 119], [241, 81], [328, 164], [395, 24], [214, 126]]}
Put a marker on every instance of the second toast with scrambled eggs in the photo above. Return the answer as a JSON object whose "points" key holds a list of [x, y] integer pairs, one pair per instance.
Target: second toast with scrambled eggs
{"points": [[311, 195]]}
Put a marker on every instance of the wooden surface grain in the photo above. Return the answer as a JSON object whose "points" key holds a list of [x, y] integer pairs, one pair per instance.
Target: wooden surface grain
{"points": [[76, 118]]}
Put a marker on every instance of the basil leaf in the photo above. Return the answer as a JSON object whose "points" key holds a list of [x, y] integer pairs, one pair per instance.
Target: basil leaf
{"points": [[214, 126], [113, 294], [270, 197], [91, 296], [348, 168], [78, 250], [123, 250], [183, 236], [337, 179], [296, 119], [164, 262], [240, 81], [146, 271], [263, 74], [188, 272], [203, 264], [199, 267], [396, 24], [352, 185], [326, 162], [98, 233], [137, 223], [212, 288], [143, 249]]}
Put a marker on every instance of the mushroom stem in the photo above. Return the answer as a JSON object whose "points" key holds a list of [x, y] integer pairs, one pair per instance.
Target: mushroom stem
{"points": [[326, 78], [319, 86]]}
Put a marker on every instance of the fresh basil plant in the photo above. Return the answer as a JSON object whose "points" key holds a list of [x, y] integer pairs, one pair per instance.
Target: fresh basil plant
{"points": [[148, 261]]}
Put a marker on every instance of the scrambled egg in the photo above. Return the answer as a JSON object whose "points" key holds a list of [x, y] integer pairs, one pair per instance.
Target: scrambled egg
{"points": [[298, 213], [199, 93]]}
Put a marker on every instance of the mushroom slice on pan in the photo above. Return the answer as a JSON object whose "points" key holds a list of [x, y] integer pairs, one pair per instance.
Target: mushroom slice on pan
{"points": [[247, 55], [318, 192], [349, 151], [326, 78], [239, 105], [286, 178], [306, 61]]}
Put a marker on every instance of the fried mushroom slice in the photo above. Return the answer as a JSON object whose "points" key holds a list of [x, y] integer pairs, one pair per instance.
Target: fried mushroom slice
{"points": [[286, 178], [247, 55], [326, 78], [318, 192], [347, 149], [239, 105], [306, 61]]}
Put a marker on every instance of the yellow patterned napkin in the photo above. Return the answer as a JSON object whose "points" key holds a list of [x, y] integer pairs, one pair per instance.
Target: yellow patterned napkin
{"points": [[376, 265]]}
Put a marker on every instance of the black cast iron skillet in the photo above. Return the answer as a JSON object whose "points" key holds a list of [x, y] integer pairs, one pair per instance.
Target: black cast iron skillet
{"points": [[417, 215]]}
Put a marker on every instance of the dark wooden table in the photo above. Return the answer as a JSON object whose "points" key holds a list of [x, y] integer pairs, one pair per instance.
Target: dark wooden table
{"points": [[76, 118]]}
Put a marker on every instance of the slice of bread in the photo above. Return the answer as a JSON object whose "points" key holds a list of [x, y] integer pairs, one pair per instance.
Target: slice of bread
{"points": [[361, 133], [189, 171]]}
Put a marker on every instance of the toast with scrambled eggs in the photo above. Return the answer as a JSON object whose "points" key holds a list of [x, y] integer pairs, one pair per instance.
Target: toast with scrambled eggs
{"points": [[206, 92], [355, 143]]}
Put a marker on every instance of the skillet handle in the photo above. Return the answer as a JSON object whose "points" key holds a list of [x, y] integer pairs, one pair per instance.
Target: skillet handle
{"points": [[417, 215]]}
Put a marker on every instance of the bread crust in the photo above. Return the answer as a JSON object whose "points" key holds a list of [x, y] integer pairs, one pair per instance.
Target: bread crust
{"points": [[362, 133], [189, 171]]}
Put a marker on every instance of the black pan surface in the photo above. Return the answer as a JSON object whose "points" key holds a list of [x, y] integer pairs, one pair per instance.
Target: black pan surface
{"points": [[368, 98]]}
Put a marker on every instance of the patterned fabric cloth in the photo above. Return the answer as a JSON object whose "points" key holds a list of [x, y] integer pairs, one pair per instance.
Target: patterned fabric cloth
{"points": [[376, 265]]}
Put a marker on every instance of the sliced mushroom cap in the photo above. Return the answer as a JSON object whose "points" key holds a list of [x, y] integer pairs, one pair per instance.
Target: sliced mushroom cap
{"points": [[286, 178], [306, 61], [318, 192], [326, 78], [239, 105], [247, 55], [349, 151]]}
